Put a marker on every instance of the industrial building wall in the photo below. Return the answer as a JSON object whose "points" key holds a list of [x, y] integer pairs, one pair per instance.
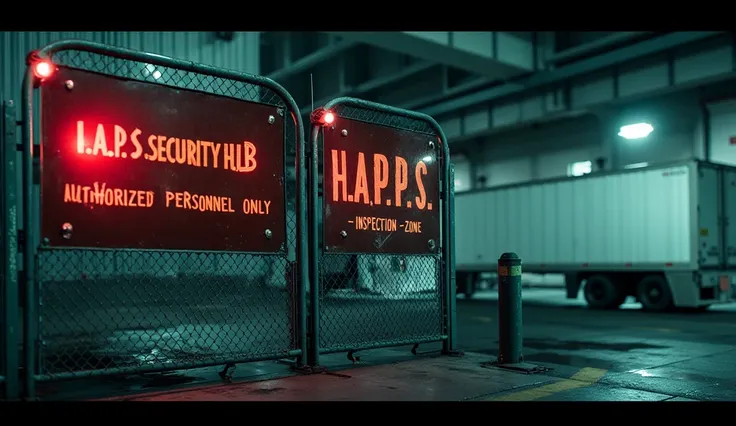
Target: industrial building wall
{"points": [[240, 54], [722, 126], [538, 152], [549, 150], [677, 120]]}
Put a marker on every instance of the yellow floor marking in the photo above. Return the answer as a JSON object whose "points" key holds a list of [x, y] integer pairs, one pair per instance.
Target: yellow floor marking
{"points": [[585, 377], [483, 319]]}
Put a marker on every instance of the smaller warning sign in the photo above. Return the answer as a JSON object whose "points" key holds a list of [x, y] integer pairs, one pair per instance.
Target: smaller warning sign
{"points": [[381, 190]]}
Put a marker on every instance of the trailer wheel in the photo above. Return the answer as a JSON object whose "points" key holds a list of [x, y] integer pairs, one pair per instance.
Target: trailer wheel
{"points": [[459, 282], [465, 283], [601, 293], [470, 281], [654, 293]]}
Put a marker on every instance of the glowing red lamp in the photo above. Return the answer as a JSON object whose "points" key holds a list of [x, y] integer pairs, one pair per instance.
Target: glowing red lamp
{"points": [[329, 118], [43, 69], [322, 117]]}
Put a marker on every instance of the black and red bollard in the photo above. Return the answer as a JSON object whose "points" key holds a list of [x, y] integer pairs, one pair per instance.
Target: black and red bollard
{"points": [[510, 341], [510, 337]]}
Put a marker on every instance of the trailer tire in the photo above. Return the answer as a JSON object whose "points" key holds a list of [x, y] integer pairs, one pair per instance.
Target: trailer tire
{"points": [[601, 292], [654, 293], [470, 280], [459, 277]]}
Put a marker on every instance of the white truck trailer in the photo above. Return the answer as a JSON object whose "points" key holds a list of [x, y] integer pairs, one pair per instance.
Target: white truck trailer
{"points": [[664, 234]]}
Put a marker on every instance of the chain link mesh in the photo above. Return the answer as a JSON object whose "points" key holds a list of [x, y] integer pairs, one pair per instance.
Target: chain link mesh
{"points": [[9, 326], [2, 304], [371, 300], [380, 300], [120, 310], [3, 254]]}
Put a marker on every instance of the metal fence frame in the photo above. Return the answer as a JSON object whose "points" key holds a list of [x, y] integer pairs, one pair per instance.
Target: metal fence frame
{"points": [[21, 282], [9, 322], [446, 283], [30, 197]]}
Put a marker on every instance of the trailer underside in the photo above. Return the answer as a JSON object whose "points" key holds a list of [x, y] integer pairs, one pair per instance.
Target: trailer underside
{"points": [[657, 290]]}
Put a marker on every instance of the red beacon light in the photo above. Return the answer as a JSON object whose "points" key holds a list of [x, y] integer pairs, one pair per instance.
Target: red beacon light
{"points": [[329, 118], [322, 117], [43, 69]]}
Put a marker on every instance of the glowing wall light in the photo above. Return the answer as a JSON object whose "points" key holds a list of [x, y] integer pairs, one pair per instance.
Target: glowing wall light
{"points": [[636, 131]]}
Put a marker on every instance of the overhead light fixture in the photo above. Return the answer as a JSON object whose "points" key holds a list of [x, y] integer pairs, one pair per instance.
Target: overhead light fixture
{"points": [[636, 165], [636, 131]]}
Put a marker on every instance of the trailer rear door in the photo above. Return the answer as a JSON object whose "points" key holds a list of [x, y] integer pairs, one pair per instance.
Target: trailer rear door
{"points": [[709, 243], [729, 213]]}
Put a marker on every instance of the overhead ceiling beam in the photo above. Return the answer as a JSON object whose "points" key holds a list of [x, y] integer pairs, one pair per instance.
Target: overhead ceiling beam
{"points": [[597, 45], [374, 84], [312, 60], [596, 63], [496, 55]]}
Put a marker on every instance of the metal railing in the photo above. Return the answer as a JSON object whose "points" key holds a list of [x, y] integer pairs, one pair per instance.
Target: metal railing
{"points": [[392, 299], [100, 311], [117, 292], [9, 320]]}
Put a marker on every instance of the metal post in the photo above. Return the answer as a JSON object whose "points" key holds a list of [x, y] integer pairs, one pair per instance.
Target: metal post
{"points": [[30, 327], [313, 181], [509, 309], [449, 345], [9, 227], [302, 235]]}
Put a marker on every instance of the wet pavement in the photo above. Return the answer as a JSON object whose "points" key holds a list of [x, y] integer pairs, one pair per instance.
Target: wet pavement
{"points": [[624, 355], [423, 378], [644, 356]]}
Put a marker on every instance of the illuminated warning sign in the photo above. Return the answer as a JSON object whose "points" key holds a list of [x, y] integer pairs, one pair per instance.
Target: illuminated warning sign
{"points": [[381, 190], [128, 164]]}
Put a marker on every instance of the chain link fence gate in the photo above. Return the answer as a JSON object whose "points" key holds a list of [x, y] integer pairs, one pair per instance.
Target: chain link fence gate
{"points": [[380, 266], [164, 267], [9, 313]]}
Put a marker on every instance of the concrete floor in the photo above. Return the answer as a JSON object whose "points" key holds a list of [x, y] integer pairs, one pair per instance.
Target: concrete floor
{"points": [[639, 356], [624, 355]]}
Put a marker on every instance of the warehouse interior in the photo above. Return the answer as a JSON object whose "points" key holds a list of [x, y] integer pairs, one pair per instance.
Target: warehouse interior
{"points": [[519, 109], [561, 98]]}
